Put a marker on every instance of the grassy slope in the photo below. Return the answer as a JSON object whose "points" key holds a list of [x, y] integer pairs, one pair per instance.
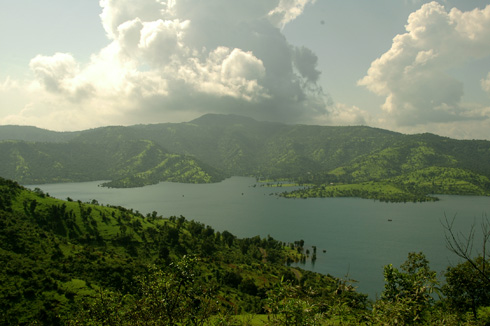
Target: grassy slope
{"points": [[409, 171]]}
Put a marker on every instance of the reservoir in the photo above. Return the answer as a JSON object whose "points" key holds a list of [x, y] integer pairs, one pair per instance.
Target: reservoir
{"points": [[354, 237]]}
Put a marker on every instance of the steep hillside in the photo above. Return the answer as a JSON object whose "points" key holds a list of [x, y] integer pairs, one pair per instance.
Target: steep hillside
{"points": [[410, 170], [60, 258], [303, 151], [243, 146], [74, 263], [128, 163], [231, 143]]}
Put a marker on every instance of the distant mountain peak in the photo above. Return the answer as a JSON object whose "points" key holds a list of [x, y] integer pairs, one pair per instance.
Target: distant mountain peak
{"points": [[34, 134], [215, 118]]}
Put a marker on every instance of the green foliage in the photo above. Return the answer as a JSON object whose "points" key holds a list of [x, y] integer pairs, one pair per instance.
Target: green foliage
{"points": [[74, 263], [483, 315], [466, 289], [289, 305], [131, 163], [59, 254], [171, 296], [382, 191], [407, 298]]}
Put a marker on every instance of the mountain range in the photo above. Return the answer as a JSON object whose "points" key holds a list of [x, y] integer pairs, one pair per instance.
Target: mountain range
{"points": [[332, 161]]}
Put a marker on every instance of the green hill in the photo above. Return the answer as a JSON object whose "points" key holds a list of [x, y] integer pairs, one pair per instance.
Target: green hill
{"points": [[128, 163], [28, 133], [60, 256], [74, 263], [333, 161], [411, 169]]}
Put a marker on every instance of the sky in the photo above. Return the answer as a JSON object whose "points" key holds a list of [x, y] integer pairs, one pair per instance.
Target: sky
{"points": [[404, 65]]}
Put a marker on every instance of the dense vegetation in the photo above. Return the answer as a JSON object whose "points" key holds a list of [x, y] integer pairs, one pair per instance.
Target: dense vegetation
{"points": [[74, 263], [128, 163], [62, 257], [332, 161]]}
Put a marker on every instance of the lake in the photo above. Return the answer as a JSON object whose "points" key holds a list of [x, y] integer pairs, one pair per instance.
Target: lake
{"points": [[359, 236]]}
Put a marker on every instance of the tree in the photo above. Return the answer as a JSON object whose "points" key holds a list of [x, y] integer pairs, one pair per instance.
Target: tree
{"points": [[465, 289], [468, 283], [287, 304], [407, 296], [228, 238], [172, 296], [462, 245]]}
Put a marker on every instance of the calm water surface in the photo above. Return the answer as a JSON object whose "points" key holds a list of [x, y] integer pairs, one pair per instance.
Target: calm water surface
{"points": [[357, 235]]}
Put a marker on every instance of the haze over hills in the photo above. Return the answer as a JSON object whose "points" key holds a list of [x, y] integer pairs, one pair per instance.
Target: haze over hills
{"points": [[375, 163]]}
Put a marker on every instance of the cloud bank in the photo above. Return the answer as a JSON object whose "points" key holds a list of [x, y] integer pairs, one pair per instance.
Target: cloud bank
{"points": [[175, 60], [415, 77]]}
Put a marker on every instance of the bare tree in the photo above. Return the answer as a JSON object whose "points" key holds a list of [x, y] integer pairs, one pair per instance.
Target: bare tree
{"points": [[463, 244]]}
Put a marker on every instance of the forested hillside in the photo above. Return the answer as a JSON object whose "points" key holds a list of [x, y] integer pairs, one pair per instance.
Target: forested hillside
{"points": [[74, 263], [60, 257], [126, 162], [333, 161]]}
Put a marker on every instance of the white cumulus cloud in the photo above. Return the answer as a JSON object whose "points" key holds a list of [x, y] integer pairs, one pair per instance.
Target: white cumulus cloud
{"points": [[287, 10], [178, 59], [226, 73], [344, 115], [60, 73], [415, 77]]}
